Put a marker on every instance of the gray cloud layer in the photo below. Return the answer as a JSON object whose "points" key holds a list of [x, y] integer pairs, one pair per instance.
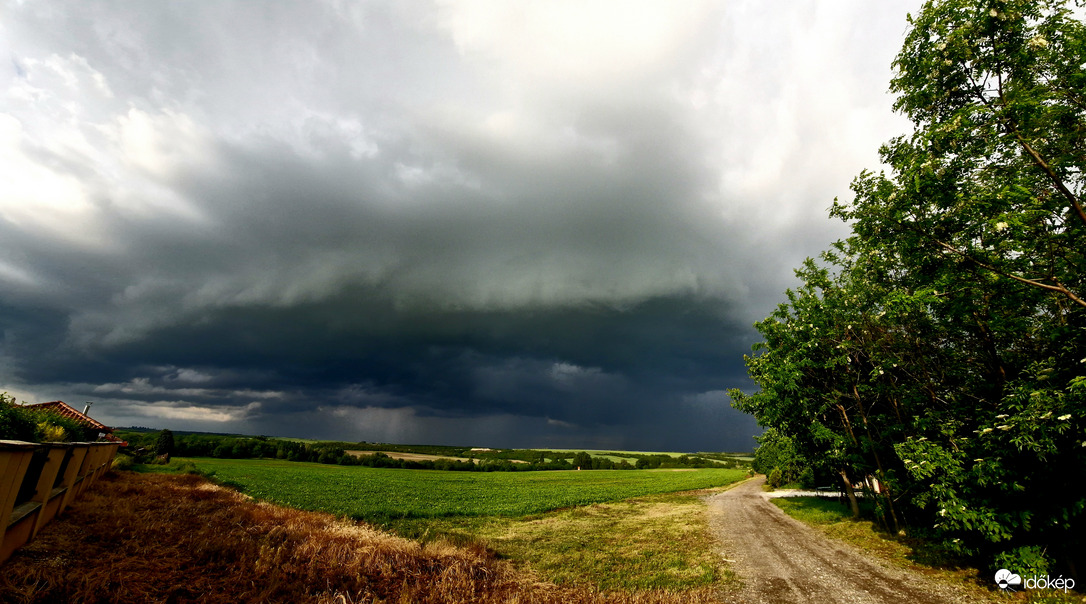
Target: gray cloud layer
{"points": [[534, 224]]}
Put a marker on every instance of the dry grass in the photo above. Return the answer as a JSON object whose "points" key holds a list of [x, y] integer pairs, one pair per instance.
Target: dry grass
{"points": [[162, 538], [647, 543]]}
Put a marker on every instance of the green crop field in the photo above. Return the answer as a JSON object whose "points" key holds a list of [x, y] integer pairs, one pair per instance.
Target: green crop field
{"points": [[383, 494]]}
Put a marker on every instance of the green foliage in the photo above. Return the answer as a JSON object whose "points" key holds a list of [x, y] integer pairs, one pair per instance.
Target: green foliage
{"points": [[55, 426], [941, 348], [1029, 560], [51, 433], [776, 451], [123, 462], [31, 425], [226, 446], [774, 478], [16, 423], [582, 460], [164, 444]]}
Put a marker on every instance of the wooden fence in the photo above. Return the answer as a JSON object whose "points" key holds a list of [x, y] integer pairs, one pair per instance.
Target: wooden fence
{"points": [[37, 482]]}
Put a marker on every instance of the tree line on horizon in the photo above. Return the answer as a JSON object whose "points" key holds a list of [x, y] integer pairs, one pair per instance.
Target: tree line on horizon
{"points": [[935, 359], [150, 445]]}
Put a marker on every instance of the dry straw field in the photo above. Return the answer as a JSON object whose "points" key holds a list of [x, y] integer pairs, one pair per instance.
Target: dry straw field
{"points": [[178, 538]]}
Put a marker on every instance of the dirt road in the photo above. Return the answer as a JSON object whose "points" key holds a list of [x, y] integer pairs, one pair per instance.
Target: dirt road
{"points": [[779, 559]]}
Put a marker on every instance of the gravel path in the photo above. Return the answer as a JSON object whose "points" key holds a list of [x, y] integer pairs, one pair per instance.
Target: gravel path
{"points": [[779, 559]]}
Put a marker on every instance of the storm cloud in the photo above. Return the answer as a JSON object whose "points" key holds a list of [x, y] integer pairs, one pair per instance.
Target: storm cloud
{"points": [[493, 223]]}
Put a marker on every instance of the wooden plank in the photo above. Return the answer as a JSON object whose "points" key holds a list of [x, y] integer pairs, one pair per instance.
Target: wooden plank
{"points": [[71, 473], [14, 460], [20, 528], [56, 454]]}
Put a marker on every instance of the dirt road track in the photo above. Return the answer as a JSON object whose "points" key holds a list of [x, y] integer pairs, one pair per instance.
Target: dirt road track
{"points": [[780, 560]]}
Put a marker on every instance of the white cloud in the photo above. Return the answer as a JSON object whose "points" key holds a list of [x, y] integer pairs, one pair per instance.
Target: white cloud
{"points": [[35, 196], [180, 410], [596, 43]]}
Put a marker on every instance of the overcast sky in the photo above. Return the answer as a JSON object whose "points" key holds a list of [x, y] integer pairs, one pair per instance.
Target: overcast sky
{"points": [[485, 223]]}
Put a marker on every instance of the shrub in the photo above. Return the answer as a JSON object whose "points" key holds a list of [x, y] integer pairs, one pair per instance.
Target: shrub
{"points": [[51, 433], [774, 479], [53, 427], [807, 479], [16, 423], [122, 462], [1030, 560], [29, 424]]}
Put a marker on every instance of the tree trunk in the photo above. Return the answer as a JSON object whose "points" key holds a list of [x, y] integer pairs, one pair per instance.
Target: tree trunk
{"points": [[883, 485], [851, 495]]}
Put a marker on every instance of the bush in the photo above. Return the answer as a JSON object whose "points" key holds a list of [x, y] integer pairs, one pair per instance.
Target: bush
{"points": [[53, 427], [31, 425], [774, 479], [16, 423], [1030, 560], [122, 462], [807, 479]]}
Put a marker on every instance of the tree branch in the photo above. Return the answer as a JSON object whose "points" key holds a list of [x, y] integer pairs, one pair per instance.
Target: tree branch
{"points": [[1034, 155], [1058, 287]]}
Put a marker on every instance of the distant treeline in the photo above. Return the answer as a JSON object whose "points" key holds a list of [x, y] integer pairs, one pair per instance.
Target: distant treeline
{"points": [[149, 444]]}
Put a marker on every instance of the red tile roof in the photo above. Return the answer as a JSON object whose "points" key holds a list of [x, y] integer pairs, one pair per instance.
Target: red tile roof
{"points": [[64, 409]]}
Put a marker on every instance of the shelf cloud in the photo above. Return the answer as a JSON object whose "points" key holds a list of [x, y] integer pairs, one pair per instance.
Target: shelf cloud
{"points": [[505, 224]]}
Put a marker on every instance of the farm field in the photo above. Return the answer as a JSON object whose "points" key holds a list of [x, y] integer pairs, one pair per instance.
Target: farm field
{"points": [[386, 494], [408, 456]]}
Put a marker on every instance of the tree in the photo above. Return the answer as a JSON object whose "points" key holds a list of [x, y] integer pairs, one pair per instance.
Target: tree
{"points": [[164, 444], [582, 461], [938, 356], [993, 174]]}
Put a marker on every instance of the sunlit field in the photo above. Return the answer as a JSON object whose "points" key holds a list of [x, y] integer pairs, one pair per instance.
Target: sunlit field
{"points": [[383, 494]]}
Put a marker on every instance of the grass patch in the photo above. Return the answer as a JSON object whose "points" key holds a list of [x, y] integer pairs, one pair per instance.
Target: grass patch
{"points": [[835, 520], [814, 510], [175, 466], [658, 542]]}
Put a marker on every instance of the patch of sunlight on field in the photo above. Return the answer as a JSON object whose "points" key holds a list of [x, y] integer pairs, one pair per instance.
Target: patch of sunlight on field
{"points": [[652, 542]]}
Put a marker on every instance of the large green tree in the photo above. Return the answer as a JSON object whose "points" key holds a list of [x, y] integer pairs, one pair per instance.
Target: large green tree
{"points": [[940, 350]]}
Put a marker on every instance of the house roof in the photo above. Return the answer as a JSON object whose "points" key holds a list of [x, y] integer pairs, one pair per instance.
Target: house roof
{"points": [[66, 410]]}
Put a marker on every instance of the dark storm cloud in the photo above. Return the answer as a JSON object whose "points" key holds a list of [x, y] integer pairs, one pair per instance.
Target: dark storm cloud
{"points": [[514, 224]]}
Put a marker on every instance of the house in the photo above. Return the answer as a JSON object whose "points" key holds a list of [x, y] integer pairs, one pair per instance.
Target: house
{"points": [[65, 410]]}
